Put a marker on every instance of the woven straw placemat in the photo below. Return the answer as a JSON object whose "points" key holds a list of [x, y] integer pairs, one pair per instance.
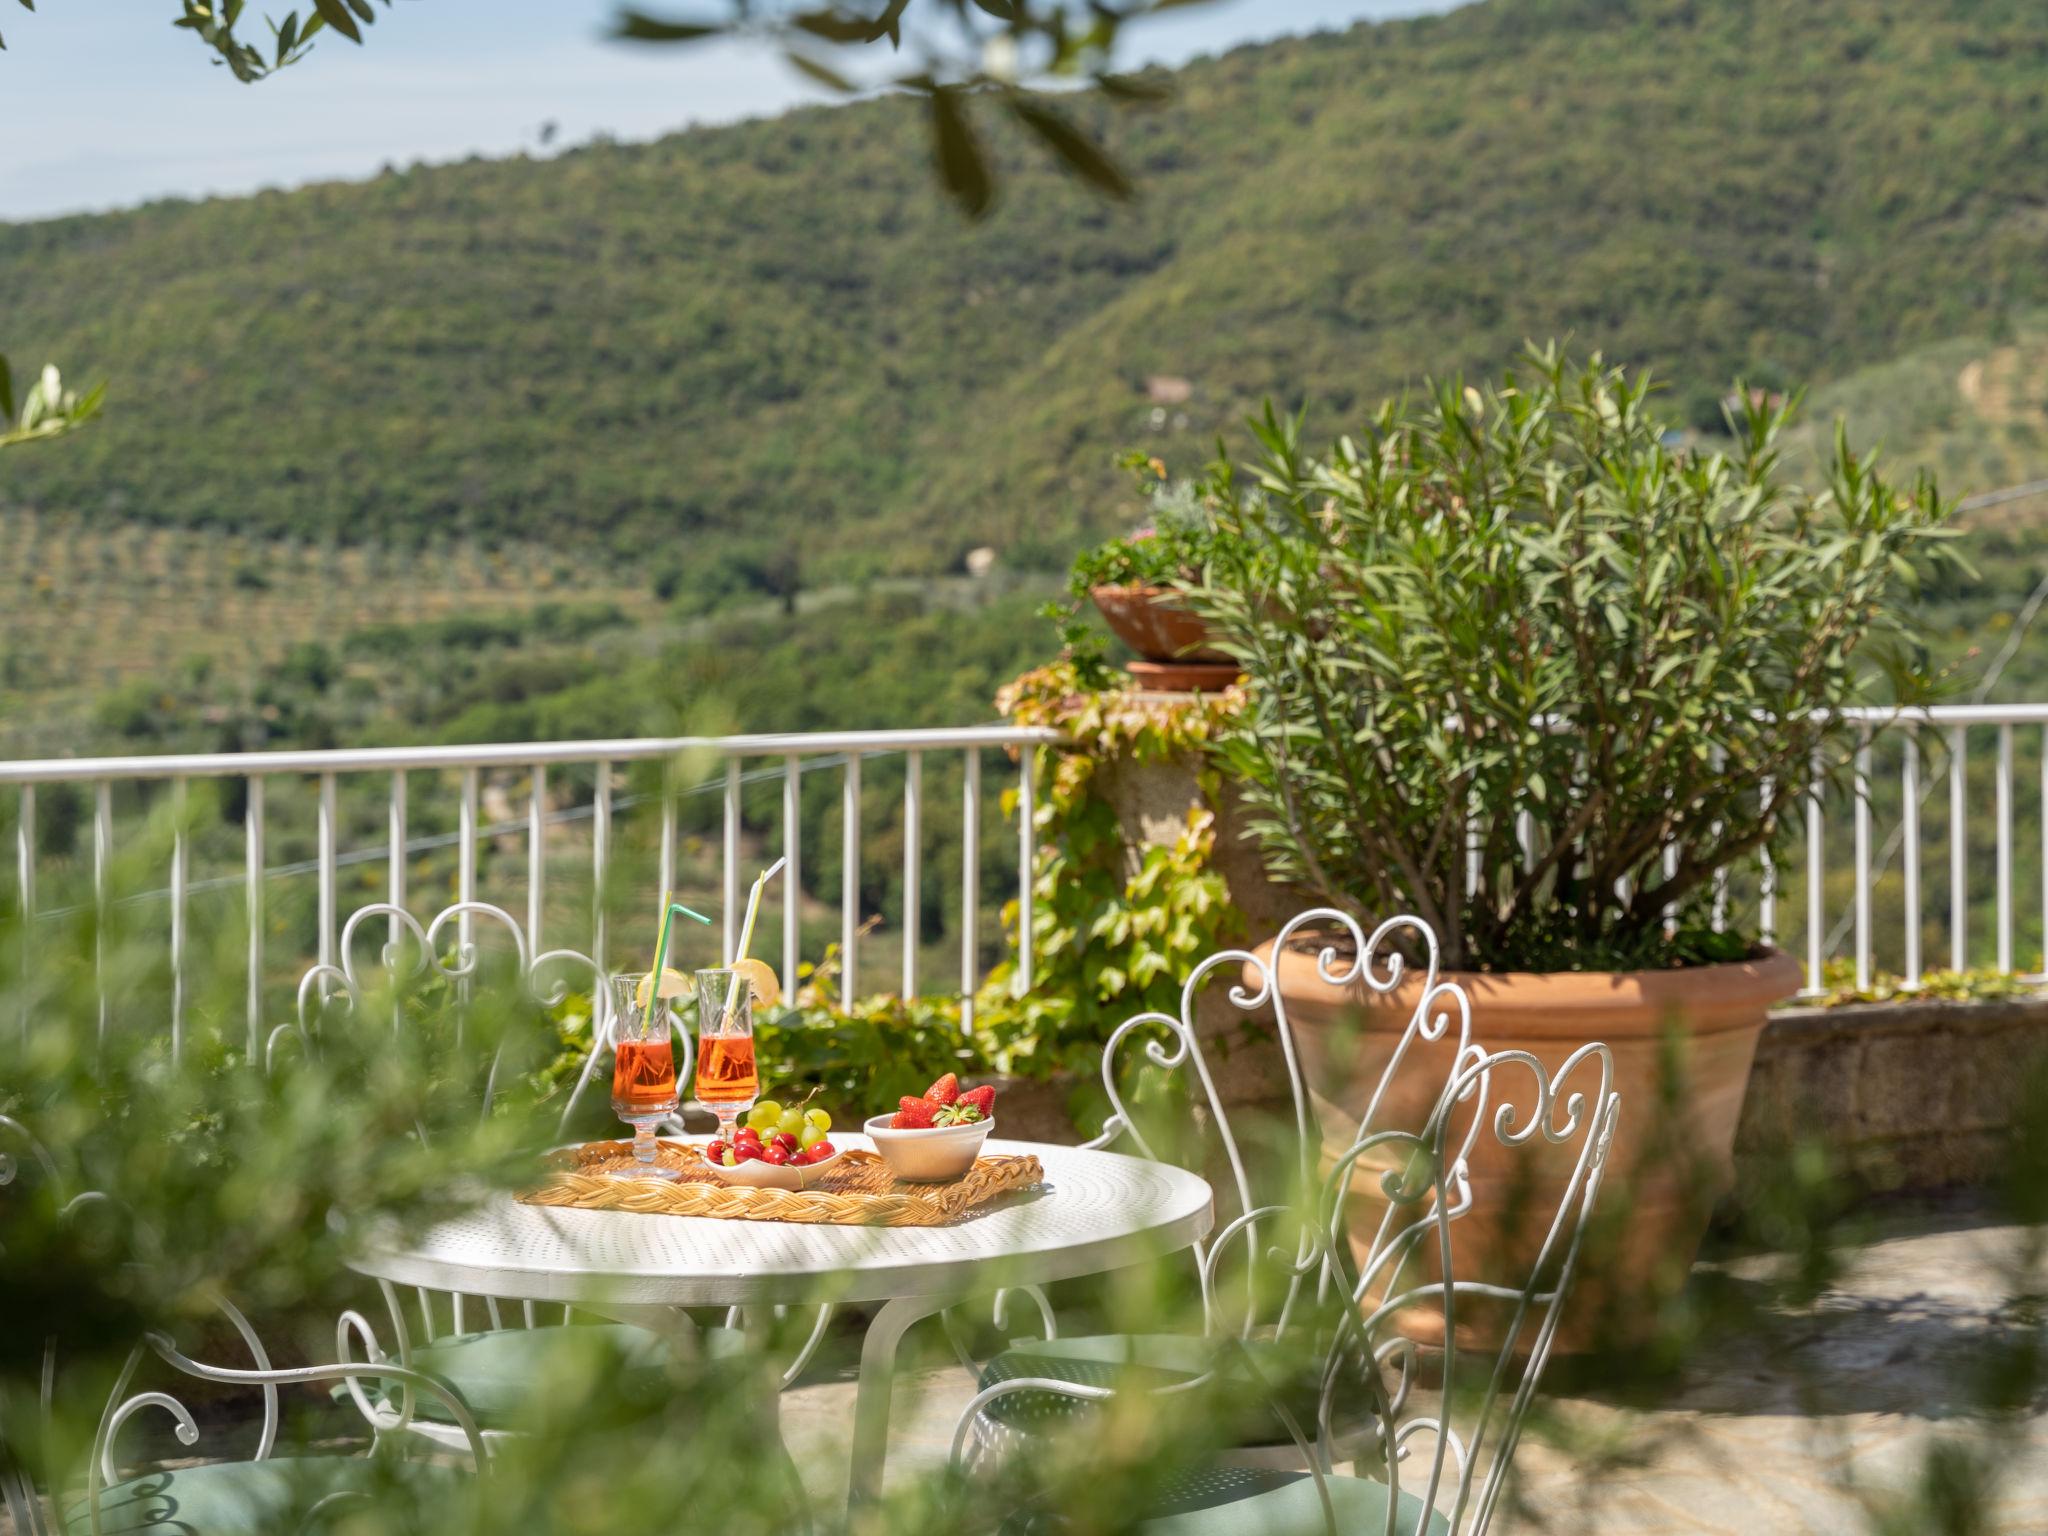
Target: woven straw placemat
{"points": [[856, 1191]]}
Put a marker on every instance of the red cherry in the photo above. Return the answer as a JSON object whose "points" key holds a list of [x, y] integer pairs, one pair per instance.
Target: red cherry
{"points": [[747, 1154], [776, 1156], [787, 1142], [714, 1152], [820, 1151]]}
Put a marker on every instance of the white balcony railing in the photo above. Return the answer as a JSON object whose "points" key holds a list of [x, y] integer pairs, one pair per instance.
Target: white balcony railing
{"points": [[1891, 870], [746, 760]]}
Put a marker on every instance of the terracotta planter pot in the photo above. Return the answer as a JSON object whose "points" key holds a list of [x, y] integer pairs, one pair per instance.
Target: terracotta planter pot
{"points": [[1682, 1044], [1154, 622]]}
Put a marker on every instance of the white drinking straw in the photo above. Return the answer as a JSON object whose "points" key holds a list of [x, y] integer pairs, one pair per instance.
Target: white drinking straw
{"points": [[732, 994]]}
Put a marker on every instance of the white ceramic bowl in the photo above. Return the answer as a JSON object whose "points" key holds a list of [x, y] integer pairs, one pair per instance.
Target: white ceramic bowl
{"points": [[936, 1155], [757, 1174]]}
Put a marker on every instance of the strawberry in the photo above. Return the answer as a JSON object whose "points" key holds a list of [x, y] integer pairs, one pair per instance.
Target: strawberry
{"points": [[944, 1091], [983, 1099], [960, 1113], [913, 1114]]}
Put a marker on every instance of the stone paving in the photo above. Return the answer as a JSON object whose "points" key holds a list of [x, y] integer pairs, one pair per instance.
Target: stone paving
{"points": [[1818, 1426]]}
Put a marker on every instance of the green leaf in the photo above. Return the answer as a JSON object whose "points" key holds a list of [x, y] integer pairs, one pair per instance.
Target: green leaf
{"points": [[337, 15], [1081, 154], [962, 166], [835, 28], [826, 76], [642, 28], [1135, 88], [362, 10]]}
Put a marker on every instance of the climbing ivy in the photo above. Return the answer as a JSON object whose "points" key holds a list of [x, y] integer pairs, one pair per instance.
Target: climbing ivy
{"points": [[1113, 934]]}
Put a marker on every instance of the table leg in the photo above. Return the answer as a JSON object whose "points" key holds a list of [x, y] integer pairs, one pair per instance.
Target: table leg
{"points": [[877, 1376]]}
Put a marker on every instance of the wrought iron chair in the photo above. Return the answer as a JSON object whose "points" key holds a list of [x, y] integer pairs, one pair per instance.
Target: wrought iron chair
{"points": [[1433, 1045], [256, 1495], [494, 1364], [1406, 1287]]}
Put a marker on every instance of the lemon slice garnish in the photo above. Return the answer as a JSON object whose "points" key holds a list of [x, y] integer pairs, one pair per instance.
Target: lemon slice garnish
{"points": [[760, 981], [674, 984]]}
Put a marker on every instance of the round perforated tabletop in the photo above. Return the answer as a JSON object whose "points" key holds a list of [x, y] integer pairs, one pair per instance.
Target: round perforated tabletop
{"points": [[1095, 1211]]}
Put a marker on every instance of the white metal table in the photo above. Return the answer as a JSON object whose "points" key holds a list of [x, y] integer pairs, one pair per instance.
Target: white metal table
{"points": [[1095, 1212]]}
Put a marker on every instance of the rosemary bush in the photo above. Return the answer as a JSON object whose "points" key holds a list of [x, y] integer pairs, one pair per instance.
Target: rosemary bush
{"points": [[1520, 598]]}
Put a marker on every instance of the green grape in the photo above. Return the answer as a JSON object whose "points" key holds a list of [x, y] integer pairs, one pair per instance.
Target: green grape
{"points": [[791, 1123], [818, 1118], [764, 1114], [811, 1134]]}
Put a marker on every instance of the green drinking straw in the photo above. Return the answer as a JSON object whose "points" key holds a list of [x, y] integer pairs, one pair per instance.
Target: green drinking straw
{"points": [[668, 911], [732, 995]]}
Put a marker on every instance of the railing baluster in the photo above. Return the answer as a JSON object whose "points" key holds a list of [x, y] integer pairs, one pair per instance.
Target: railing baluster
{"points": [[849, 881], [2005, 849], [1670, 907], [252, 876], [731, 878], [536, 858], [600, 858], [792, 873], [327, 868], [970, 885], [913, 795], [25, 883], [394, 858], [1767, 874], [102, 861], [668, 830], [1027, 858], [1909, 837], [1473, 852], [1958, 851], [179, 856], [1862, 811], [1718, 920], [465, 868], [1816, 873]]}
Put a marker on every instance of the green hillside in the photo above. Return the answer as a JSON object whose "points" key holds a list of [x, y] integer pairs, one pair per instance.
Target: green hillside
{"points": [[734, 343], [1974, 410]]}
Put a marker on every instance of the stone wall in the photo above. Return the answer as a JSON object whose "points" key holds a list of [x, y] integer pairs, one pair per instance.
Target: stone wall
{"points": [[1911, 1095]]}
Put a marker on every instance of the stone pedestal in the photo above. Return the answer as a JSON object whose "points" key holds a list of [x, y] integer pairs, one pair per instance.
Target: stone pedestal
{"points": [[1151, 800]]}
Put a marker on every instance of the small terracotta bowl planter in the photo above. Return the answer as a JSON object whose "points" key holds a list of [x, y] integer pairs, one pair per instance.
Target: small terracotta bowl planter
{"points": [[1170, 638], [1155, 622]]}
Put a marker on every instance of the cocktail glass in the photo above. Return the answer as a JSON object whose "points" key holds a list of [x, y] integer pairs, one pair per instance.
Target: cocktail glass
{"points": [[727, 1083], [643, 1072]]}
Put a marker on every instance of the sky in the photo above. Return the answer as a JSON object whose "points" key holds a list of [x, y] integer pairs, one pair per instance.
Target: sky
{"points": [[104, 104]]}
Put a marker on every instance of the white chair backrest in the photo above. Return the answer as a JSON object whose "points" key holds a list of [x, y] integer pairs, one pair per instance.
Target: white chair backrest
{"points": [[459, 958], [461, 962], [1440, 1022], [34, 1512], [1544, 1133]]}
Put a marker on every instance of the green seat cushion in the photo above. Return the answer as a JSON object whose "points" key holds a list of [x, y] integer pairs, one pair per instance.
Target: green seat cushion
{"points": [[1250, 1501], [1142, 1361], [499, 1371], [259, 1498]]}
